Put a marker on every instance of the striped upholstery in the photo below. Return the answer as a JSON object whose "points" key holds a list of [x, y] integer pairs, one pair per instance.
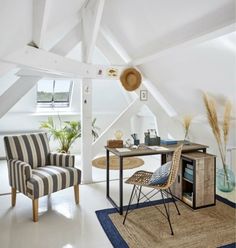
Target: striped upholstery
{"points": [[32, 148], [36, 172], [49, 179], [61, 159], [19, 173]]}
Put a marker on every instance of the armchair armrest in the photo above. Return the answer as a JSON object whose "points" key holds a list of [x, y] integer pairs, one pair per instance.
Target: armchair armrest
{"points": [[19, 173], [61, 159]]}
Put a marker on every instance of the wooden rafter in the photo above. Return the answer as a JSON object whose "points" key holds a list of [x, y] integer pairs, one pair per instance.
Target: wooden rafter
{"points": [[92, 14], [41, 12], [147, 84], [15, 92], [37, 59], [132, 108]]}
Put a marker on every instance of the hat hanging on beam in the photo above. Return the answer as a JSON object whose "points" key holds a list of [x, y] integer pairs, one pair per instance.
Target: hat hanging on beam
{"points": [[131, 79]]}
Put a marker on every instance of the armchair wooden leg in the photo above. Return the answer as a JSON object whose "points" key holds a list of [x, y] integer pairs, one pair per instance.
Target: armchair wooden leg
{"points": [[76, 191], [35, 210], [13, 197]]}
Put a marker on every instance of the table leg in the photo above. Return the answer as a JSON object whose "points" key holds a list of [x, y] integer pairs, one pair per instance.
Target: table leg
{"points": [[108, 175], [121, 185]]}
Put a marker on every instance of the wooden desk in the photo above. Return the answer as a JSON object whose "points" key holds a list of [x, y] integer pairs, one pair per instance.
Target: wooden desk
{"points": [[141, 152]]}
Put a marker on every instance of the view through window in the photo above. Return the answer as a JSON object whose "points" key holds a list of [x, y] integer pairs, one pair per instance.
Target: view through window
{"points": [[54, 93]]}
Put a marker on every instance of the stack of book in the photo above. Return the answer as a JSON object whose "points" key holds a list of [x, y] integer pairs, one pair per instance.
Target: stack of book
{"points": [[188, 198], [188, 195], [188, 172]]}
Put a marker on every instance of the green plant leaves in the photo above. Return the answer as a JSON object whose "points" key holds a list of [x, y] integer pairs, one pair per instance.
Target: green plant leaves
{"points": [[68, 132]]}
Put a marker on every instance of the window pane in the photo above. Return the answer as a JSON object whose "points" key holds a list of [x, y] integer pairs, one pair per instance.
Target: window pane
{"points": [[62, 91], [45, 91]]}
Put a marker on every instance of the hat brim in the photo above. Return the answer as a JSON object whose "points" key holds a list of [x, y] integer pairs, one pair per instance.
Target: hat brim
{"points": [[133, 84]]}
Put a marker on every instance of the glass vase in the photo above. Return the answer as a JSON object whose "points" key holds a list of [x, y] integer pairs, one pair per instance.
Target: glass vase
{"points": [[187, 139], [225, 183]]}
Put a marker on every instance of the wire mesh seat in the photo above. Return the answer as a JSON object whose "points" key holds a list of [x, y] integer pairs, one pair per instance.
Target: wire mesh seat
{"points": [[142, 178]]}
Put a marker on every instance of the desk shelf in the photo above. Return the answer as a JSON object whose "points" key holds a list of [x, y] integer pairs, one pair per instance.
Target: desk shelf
{"points": [[201, 167]]}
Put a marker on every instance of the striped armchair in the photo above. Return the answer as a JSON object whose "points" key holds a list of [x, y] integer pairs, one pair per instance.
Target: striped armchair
{"points": [[35, 171]]}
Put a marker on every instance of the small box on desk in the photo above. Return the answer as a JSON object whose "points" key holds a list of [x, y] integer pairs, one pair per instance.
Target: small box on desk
{"points": [[115, 143]]}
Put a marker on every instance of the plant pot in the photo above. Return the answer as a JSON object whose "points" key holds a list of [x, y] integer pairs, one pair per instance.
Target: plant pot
{"points": [[225, 183]]}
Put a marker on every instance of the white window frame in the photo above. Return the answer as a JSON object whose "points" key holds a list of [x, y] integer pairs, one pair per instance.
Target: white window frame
{"points": [[52, 103]]}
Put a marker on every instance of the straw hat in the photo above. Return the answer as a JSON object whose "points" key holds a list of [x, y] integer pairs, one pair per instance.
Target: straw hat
{"points": [[131, 79]]}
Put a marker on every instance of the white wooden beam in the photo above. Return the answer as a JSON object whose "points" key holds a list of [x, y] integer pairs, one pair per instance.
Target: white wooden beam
{"points": [[15, 92], [69, 41], [157, 95], [5, 67], [38, 59], [108, 35], [146, 84], [166, 124], [29, 74], [132, 109], [90, 25], [185, 42], [38, 73], [41, 11]]}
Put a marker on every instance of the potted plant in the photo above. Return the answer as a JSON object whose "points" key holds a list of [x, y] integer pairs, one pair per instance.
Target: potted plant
{"points": [[67, 133], [225, 177]]}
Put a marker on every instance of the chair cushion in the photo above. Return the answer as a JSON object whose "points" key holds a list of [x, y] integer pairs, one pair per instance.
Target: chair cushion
{"points": [[161, 175], [49, 179]]}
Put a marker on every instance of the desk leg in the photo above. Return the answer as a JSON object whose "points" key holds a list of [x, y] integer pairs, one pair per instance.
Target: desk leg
{"points": [[121, 185], [108, 175]]}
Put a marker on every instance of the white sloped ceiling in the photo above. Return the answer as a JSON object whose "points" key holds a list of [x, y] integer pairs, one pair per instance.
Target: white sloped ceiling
{"points": [[182, 76]]}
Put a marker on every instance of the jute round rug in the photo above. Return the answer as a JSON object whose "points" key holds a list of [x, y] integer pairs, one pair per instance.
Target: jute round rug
{"points": [[128, 163]]}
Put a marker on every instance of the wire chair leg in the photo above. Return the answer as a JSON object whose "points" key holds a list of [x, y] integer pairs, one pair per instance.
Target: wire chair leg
{"points": [[167, 214], [174, 202], [130, 200], [140, 188]]}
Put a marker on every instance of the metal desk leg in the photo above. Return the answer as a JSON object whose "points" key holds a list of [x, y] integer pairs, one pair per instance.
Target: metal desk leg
{"points": [[108, 175], [121, 185]]}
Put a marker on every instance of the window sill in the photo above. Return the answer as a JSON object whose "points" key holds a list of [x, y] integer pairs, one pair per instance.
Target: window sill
{"points": [[54, 111]]}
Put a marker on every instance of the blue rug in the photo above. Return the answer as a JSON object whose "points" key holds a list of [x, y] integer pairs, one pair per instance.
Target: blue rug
{"points": [[115, 237]]}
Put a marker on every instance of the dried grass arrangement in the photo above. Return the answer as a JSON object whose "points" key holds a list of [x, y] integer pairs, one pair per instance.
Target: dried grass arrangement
{"points": [[186, 123], [221, 133]]}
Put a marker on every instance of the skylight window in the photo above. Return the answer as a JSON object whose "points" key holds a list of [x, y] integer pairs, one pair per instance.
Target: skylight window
{"points": [[54, 93]]}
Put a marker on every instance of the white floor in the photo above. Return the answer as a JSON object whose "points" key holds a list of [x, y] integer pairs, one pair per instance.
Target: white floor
{"points": [[61, 222]]}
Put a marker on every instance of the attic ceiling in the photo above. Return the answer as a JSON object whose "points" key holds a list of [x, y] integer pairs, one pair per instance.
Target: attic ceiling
{"points": [[142, 29]]}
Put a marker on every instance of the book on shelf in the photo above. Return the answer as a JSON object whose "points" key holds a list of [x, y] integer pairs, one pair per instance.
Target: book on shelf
{"points": [[188, 176], [188, 195], [189, 171], [187, 201], [190, 166]]}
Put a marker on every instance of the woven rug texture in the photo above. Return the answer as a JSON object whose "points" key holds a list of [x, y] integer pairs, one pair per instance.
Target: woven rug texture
{"points": [[146, 227], [128, 163]]}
